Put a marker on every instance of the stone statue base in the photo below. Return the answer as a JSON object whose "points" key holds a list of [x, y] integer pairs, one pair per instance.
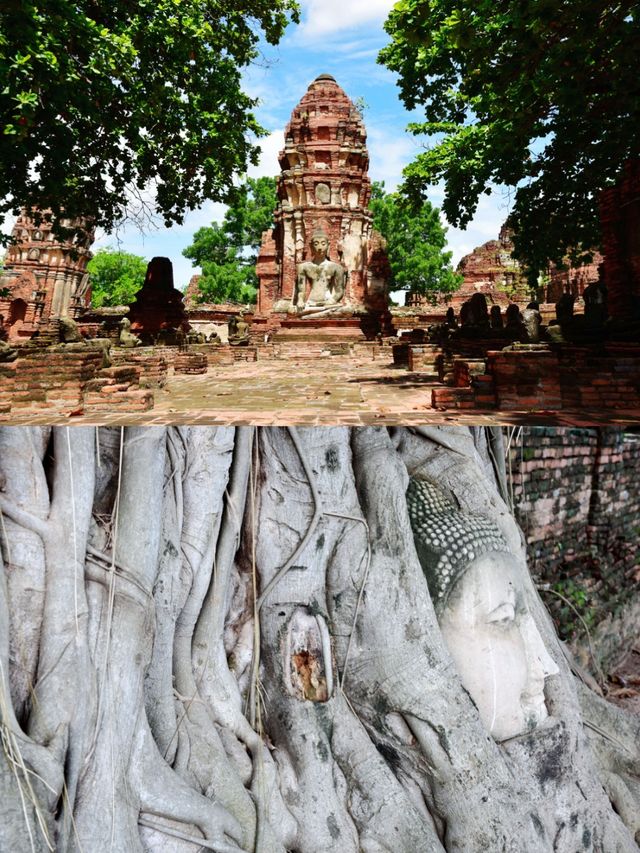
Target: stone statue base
{"points": [[343, 325]]}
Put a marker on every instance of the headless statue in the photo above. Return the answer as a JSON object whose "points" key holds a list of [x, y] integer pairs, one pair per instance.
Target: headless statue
{"points": [[126, 337], [326, 278]]}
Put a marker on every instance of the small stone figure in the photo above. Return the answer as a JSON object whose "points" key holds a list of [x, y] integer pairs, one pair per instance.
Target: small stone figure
{"points": [[68, 331], [595, 303], [238, 331], [214, 338], [514, 327], [7, 352], [495, 318], [194, 337], [126, 338], [564, 308], [326, 278], [531, 320], [474, 313], [450, 319]]}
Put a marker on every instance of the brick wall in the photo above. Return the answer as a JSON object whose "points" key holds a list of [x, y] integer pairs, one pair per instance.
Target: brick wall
{"points": [[576, 494], [69, 380]]}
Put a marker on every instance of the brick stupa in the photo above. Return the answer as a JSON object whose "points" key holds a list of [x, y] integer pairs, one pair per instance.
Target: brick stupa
{"points": [[324, 187]]}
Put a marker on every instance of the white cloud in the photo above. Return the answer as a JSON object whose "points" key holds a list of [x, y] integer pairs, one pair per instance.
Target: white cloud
{"points": [[389, 152], [321, 17], [270, 148]]}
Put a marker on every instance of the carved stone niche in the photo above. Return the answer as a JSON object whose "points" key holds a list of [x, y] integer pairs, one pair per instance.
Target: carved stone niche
{"points": [[323, 194]]}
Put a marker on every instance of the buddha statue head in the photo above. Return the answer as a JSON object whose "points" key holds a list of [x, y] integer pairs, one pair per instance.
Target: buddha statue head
{"points": [[473, 580], [319, 246]]}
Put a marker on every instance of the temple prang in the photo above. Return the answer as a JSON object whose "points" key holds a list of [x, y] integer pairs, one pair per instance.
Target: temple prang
{"points": [[44, 274], [323, 188]]}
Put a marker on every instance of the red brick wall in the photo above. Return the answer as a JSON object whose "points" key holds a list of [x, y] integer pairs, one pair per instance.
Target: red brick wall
{"points": [[576, 495]]}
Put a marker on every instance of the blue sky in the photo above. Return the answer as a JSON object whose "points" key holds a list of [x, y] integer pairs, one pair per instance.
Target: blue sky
{"points": [[340, 37]]}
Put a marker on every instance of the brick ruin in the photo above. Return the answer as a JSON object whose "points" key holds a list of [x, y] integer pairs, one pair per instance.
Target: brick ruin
{"points": [[575, 494], [47, 281], [46, 277], [492, 270], [323, 186]]}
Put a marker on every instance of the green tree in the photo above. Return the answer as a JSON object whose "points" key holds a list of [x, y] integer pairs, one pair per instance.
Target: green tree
{"points": [[115, 276], [98, 101], [416, 240], [227, 252], [538, 95]]}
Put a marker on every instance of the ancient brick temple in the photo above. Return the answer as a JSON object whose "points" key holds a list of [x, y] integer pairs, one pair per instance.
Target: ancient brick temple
{"points": [[46, 277], [492, 270], [323, 187], [158, 309]]}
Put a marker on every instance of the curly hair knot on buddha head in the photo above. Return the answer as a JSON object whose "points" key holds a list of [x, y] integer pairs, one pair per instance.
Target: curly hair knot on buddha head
{"points": [[447, 539]]}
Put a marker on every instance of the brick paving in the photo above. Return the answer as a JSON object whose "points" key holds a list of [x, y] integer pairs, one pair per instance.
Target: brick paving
{"points": [[319, 390]]}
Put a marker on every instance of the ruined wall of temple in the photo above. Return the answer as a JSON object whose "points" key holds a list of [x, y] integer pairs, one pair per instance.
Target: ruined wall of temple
{"points": [[46, 277], [576, 494], [491, 269], [323, 186], [571, 280], [620, 218]]}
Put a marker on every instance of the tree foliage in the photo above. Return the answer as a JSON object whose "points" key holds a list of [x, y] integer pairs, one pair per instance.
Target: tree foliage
{"points": [[536, 95], [115, 276], [227, 252], [98, 101], [416, 241]]}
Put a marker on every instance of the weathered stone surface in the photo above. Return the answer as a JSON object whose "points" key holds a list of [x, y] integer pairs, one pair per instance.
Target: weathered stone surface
{"points": [[323, 186]]}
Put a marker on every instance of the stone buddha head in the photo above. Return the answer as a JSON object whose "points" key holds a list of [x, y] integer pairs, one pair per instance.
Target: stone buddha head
{"points": [[474, 583]]}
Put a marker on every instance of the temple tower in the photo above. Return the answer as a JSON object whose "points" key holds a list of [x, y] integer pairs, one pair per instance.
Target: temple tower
{"points": [[323, 186], [45, 276]]}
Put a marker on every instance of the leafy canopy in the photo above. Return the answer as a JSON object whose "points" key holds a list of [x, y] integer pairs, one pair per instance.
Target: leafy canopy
{"points": [[416, 240], [98, 100], [227, 252], [538, 94], [115, 277]]}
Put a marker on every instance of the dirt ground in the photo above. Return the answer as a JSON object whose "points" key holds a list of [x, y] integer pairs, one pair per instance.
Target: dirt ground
{"points": [[624, 682]]}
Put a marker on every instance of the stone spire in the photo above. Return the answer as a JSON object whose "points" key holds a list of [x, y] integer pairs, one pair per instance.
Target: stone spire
{"points": [[323, 186]]}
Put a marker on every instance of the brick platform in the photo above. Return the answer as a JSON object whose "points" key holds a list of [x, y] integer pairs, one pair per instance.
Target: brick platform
{"points": [[190, 362], [67, 382]]}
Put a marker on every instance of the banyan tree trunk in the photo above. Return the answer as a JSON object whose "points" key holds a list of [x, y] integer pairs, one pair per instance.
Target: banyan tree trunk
{"points": [[223, 639]]}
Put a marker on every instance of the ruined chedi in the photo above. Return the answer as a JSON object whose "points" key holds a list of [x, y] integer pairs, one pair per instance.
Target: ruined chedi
{"points": [[322, 259]]}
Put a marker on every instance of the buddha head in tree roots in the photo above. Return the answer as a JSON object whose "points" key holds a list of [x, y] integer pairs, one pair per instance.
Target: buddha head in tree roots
{"points": [[474, 584]]}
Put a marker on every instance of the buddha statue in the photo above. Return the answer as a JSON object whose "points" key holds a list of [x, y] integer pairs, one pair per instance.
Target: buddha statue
{"points": [[474, 584], [325, 278]]}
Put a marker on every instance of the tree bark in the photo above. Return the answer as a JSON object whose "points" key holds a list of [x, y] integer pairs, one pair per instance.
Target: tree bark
{"points": [[222, 639]]}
